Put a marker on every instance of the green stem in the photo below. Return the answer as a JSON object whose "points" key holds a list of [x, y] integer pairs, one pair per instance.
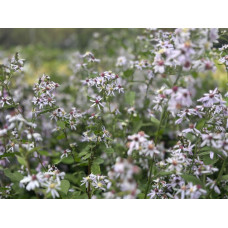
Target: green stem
{"points": [[64, 131], [166, 115], [149, 179], [219, 175], [89, 172], [152, 162]]}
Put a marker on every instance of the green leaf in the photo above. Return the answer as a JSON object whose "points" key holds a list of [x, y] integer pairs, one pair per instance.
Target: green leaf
{"points": [[130, 98], [70, 177], [48, 110], [137, 125], [14, 177], [43, 152], [200, 124], [86, 156], [155, 121], [61, 136], [190, 178], [98, 161], [8, 155], [109, 151], [21, 160], [204, 153], [81, 154], [207, 150], [163, 173], [61, 124], [128, 72], [167, 82], [68, 160], [95, 169], [65, 185], [85, 151], [75, 195], [141, 195], [225, 177], [208, 161]]}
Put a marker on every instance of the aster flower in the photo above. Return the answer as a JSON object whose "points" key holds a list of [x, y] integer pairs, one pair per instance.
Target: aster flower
{"points": [[5, 101], [136, 141], [194, 191], [90, 57], [97, 102], [65, 153], [175, 164], [210, 98], [121, 61], [32, 181], [212, 184], [192, 129], [52, 187], [149, 148]]}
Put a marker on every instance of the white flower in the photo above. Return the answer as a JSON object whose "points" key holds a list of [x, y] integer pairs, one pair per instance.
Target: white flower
{"points": [[136, 141], [213, 185], [110, 89], [149, 148], [65, 153], [182, 191], [32, 181], [192, 129], [224, 60], [210, 98], [194, 191], [175, 164], [90, 57], [52, 187], [121, 61], [97, 102], [97, 181], [28, 146], [31, 134], [5, 100], [3, 132], [185, 114], [209, 139], [119, 88]]}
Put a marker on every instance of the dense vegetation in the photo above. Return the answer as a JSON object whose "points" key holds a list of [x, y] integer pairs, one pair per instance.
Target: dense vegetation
{"points": [[125, 113]]}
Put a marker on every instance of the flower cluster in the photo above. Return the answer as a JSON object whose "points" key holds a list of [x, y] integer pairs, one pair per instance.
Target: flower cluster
{"points": [[122, 180], [157, 128], [96, 181], [139, 142], [179, 49], [44, 91], [50, 181], [107, 83]]}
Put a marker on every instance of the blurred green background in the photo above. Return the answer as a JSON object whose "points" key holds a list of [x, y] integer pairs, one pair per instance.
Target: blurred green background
{"points": [[49, 50]]}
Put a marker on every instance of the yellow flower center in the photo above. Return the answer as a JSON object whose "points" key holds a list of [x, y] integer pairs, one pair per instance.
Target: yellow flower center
{"points": [[52, 185], [161, 51], [185, 30], [99, 184]]}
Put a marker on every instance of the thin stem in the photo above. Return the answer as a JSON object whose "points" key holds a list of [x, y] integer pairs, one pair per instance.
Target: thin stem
{"points": [[147, 90], [164, 115], [64, 131], [152, 162], [149, 179], [28, 165], [89, 172], [219, 175]]}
